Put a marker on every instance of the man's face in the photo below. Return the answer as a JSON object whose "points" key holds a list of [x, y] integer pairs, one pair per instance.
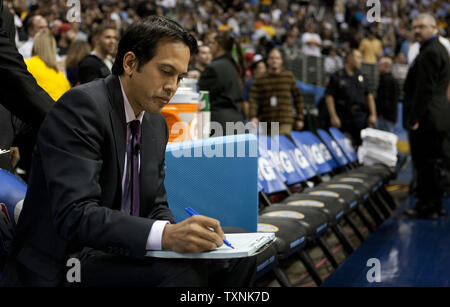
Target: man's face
{"points": [[213, 45], [356, 59], [107, 41], [39, 24], [259, 69], [153, 85], [275, 61], [422, 30], [204, 55]]}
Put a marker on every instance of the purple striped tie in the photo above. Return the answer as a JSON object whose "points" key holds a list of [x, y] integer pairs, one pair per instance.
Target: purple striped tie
{"points": [[135, 144]]}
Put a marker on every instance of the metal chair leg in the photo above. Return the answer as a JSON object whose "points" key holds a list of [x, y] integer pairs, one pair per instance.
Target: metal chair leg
{"points": [[327, 251], [371, 207], [282, 277], [363, 218], [345, 241], [354, 227], [310, 267], [384, 208]]}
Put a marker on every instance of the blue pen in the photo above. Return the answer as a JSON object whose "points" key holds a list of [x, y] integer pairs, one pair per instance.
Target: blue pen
{"points": [[192, 212]]}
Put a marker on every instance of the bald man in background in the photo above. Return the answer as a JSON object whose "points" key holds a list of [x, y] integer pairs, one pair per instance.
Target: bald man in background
{"points": [[35, 25]]}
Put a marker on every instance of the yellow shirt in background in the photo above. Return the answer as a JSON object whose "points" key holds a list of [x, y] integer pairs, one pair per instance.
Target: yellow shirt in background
{"points": [[54, 83], [370, 49]]}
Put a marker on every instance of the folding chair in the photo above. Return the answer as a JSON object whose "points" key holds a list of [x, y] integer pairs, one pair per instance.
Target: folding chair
{"points": [[293, 230]]}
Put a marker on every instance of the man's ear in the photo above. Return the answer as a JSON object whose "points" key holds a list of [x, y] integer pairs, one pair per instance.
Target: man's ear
{"points": [[129, 63]]}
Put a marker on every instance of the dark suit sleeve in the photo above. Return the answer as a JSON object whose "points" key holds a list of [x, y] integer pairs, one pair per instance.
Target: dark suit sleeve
{"points": [[426, 80], [21, 95], [70, 147]]}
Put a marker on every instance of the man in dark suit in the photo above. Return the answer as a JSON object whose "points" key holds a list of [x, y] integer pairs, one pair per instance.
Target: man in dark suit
{"points": [[99, 62], [96, 191], [426, 115]]}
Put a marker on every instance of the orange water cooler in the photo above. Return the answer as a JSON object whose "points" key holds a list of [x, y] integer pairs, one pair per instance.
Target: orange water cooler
{"points": [[184, 115]]}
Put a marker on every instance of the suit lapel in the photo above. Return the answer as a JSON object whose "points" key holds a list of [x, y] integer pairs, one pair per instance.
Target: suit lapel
{"points": [[118, 122]]}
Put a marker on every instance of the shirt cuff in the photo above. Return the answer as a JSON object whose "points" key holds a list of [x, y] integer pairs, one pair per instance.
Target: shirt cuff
{"points": [[155, 236]]}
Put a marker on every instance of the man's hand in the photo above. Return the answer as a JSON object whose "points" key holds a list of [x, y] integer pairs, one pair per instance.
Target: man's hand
{"points": [[193, 235], [299, 125], [415, 126], [335, 122], [372, 120], [15, 156]]}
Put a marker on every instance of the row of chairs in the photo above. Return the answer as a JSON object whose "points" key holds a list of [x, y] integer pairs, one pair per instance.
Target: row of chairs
{"points": [[309, 186]]}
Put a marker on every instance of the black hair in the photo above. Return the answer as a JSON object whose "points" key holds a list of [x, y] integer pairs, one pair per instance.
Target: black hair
{"points": [[142, 37], [255, 64], [226, 40]]}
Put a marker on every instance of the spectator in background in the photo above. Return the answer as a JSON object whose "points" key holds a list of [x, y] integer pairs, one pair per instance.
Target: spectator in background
{"points": [[407, 44], [371, 48], [389, 43], [273, 95], [311, 42], [66, 36], [333, 62], [35, 24], [290, 48], [44, 67], [99, 62], [77, 51], [201, 60], [246, 18], [387, 96], [223, 78], [257, 68]]}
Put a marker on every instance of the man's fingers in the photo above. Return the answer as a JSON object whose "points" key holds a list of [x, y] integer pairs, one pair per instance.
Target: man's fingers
{"points": [[207, 229]]}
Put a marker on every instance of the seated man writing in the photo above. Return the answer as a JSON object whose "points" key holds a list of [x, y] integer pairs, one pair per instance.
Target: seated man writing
{"points": [[96, 191]]}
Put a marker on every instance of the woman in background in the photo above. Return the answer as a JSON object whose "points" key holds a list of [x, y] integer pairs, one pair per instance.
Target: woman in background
{"points": [[223, 78], [77, 51], [44, 67]]}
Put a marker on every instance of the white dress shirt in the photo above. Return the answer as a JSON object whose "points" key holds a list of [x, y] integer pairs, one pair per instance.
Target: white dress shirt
{"points": [[155, 236], [25, 49]]}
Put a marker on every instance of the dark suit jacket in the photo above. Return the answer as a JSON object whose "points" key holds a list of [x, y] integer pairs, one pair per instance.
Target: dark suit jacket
{"points": [[425, 89], [92, 67], [221, 79], [20, 93], [387, 97], [20, 96], [75, 189]]}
